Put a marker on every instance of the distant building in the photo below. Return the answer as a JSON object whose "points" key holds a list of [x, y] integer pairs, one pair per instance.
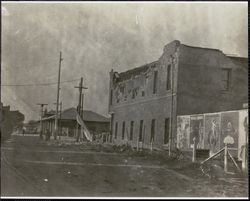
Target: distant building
{"points": [[145, 102], [32, 127], [49, 113], [67, 122], [10, 121]]}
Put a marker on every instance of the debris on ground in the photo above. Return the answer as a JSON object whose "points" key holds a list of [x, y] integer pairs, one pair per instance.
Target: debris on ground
{"points": [[215, 170], [172, 170]]}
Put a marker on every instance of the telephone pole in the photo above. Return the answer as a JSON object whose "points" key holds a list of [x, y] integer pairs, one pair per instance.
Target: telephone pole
{"points": [[80, 87], [80, 103], [60, 115], [57, 100], [41, 125]]}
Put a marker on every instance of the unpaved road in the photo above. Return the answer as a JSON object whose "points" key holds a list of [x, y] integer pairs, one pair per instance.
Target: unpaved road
{"points": [[33, 168]]}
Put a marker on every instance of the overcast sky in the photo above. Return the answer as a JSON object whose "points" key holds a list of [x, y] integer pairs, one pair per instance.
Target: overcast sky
{"points": [[96, 37]]}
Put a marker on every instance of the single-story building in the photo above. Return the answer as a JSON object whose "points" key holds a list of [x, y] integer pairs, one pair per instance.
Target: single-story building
{"points": [[67, 123]]}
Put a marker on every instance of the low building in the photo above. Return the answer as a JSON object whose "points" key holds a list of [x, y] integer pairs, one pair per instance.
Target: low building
{"points": [[145, 102], [49, 113], [67, 123], [32, 127]]}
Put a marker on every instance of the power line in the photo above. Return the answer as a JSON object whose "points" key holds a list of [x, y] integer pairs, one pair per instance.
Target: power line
{"points": [[36, 84]]}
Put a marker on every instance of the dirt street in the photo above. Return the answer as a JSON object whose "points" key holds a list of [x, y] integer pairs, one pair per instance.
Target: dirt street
{"points": [[31, 167]]}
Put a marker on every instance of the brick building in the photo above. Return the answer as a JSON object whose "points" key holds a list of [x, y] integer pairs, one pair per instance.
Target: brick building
{"points": [[10, 121], [144, 102]]}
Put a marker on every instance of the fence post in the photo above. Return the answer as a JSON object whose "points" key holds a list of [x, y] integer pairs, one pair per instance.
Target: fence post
{"points": [[244, 158], [225, 159], [194, 150], [151, 145]]}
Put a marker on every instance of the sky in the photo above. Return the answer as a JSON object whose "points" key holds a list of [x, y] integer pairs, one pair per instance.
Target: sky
{"points": [[97, 37]]}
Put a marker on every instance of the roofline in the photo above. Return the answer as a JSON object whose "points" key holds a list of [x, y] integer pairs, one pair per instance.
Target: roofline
{"points": [[97, 121], [189, 46], [106, 121], [53, 116], [206, 48], [238, 57], [137, 67]]}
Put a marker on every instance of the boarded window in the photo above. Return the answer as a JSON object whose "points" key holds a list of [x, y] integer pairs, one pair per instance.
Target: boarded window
{"points": [[226, 79], [116, 129], [155, 82], [123, 129], [141, 131], [166, 131], [169, 78], [131, 130], [152, 138]]}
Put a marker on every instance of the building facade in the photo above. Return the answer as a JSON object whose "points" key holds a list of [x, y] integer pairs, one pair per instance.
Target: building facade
{"points": [[144, 102]]}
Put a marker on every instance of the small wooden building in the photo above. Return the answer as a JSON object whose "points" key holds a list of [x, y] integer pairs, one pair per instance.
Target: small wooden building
{"points": [[67, 123]]}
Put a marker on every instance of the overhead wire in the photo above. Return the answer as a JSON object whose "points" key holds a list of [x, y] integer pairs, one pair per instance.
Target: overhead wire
{"points": [[37, 84]]}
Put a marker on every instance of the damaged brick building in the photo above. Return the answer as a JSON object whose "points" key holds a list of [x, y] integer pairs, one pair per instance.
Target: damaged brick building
{"points": [[144, 102]]}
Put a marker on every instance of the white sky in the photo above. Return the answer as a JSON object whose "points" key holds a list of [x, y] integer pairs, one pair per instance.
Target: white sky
{"points": [[96, 37]]}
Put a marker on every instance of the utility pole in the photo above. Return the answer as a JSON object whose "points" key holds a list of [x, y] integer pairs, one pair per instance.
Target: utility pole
{"points": [[57, 100], [41, 125], [80, 103], [60, 116]]}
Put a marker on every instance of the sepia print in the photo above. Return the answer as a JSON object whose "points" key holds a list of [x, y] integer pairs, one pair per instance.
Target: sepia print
{"points": [[124, 100]]}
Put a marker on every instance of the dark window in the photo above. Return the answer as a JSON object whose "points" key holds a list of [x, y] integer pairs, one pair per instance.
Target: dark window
{"points": [[169, 77], [226, 79], [141, 130], [123, 129], [112, 123], [152, 138], [116, 129], [133, 94], [111, 97], [166, 131], [131, 130], [142, 93], [122, 89], [155, 82]]}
